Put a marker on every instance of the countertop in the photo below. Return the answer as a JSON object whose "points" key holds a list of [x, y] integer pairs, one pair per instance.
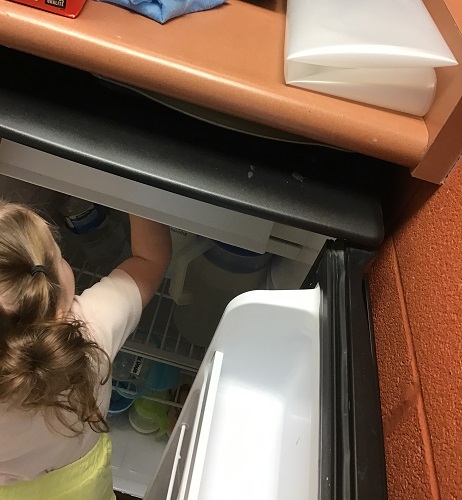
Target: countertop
{"points": [[229, 59]]}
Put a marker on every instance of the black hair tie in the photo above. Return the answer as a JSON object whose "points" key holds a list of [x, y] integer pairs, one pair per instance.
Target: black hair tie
{"points": [[37, 269]]}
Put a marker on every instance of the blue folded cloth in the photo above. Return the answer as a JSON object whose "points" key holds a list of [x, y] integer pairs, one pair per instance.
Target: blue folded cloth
{"points": [[163, 10]]}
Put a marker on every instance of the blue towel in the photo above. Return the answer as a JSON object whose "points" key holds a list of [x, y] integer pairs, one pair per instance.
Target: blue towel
{"points": [[163, 10]]}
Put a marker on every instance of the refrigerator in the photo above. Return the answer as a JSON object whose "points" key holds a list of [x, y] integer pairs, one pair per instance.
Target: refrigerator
{"points": [[284, 401]]}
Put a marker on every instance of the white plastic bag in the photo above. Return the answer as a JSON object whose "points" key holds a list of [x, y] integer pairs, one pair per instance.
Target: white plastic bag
{"points": [[381, 52]]}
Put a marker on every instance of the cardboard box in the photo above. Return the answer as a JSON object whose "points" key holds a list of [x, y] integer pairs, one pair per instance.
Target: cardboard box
{"points": [[67, 8]]}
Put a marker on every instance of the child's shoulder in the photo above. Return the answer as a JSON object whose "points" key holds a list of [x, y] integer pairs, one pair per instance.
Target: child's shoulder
{"points": [[111, 309]]}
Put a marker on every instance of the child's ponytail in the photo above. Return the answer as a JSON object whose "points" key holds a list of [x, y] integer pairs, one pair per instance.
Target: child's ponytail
{"points": [[53, 367], [46, 364]]}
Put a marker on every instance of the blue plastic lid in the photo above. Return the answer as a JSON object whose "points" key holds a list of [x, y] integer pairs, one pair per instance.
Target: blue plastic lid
{"points": [[236, 250], [236, 260]]}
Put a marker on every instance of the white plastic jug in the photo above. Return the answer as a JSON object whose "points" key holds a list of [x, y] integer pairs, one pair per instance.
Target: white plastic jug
{"points": [[212, 280]]}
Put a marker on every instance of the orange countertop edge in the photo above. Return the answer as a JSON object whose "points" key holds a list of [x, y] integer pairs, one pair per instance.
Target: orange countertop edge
{"points": [[229, 59]]}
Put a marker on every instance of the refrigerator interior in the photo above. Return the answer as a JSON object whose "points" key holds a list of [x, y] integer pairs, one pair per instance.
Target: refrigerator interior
{"points": [[135, 455]]}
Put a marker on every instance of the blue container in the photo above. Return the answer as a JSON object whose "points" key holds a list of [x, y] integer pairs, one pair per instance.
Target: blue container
{"points": [[119, 403], [137, 376]]}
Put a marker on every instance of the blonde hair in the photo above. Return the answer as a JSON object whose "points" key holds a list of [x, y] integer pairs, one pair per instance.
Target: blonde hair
{"points": [[47, 363]]}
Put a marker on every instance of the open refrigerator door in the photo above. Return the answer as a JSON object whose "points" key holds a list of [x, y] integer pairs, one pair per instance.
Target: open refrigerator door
{"points": [[259, 430]]}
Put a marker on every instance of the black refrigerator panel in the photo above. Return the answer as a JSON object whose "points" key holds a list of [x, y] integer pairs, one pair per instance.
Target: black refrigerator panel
{"points": [[73, 115]]}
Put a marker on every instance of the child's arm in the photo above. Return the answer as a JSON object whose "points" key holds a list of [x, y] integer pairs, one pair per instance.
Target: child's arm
{"points": [[151, 250]]}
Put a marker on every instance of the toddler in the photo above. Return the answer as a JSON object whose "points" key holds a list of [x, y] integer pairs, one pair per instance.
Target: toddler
{"points": [[56, 350]]}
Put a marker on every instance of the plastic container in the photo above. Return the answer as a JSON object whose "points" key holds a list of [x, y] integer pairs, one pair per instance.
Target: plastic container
{"points": [[378, 52], [147, 416], [213, 279], [136, 376], [101, 238], [118, 403], [163, 377]]}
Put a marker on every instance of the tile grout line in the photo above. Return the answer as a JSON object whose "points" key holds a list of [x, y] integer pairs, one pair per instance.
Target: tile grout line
{"points": [[425, 431]]}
